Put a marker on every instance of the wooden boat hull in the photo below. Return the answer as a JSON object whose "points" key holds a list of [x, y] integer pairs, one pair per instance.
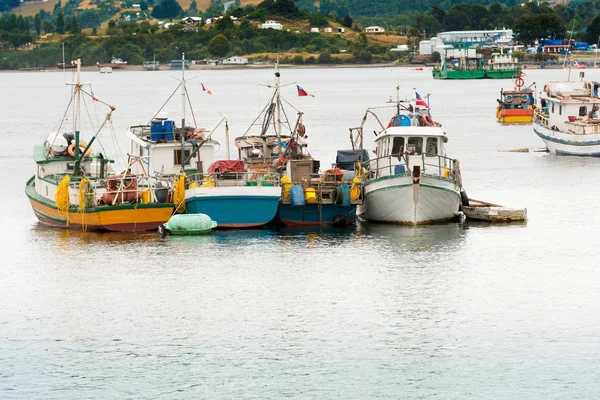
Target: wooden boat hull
{"points": [[482, 211], [118, 218], [235, 207], [391, 199], [316, 214], [517, 116], [571, 144]]}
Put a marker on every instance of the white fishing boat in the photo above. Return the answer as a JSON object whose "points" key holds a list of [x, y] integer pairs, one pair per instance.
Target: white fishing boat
{"points": [[412, 181], [223, 189], [567, 119], [106, 70]]}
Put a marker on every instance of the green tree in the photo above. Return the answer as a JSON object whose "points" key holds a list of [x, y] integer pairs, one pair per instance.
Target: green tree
{"points": [[298, 59], [325, 58], [347, 21], [532, 27], [60, 23], [318, 20], [167, 9], [37, 23], [219, 45], [193, 9], [593, 30], [436, 57], [74, 25]]}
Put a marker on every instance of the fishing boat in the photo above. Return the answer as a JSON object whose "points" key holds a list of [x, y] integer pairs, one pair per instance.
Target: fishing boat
{"points": [[310, 197], [465, 63], [151, 65], [411, 181], [115, 63], [75, 187], [177, 64], [567, 118], [63, 65], [106, 70], [482, 211], [516, 105], [226, 190]]}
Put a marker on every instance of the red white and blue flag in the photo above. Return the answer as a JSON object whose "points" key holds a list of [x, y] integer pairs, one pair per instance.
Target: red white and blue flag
{"points": [[302, 92], [420, 101], [204, 89]]}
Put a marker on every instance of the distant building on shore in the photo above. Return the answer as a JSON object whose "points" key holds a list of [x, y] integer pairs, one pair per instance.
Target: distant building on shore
{"points": [[235, 61], [374, 29], [272, 25]]}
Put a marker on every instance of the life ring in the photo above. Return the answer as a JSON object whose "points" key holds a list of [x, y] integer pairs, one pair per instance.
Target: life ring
{"points": [[282, 160], [301, 129], [427, 120], [524, 97], [509, 97], [519, 82], [82, 146]]}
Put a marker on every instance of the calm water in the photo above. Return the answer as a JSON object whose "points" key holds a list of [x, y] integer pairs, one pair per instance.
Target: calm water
{"points": [[449, 311]]}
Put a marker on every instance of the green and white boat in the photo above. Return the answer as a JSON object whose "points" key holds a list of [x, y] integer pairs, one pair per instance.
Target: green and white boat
{"points": [[469, 65]]}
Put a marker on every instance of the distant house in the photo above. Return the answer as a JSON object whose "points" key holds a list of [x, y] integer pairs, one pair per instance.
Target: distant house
{"points": [[314, 30], [328, 30], [374, 29], [341, 30], [191, 20], [212, 62], [401, 47], [138, 6], [272, 25], [235, 61]]}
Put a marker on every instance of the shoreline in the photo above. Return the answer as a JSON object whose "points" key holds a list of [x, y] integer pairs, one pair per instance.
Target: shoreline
{"points": [[197, 67], [201, 67]]}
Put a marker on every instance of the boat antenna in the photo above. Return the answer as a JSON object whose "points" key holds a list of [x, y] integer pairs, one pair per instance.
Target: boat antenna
{"points": [[569, 51], [183, 95]]}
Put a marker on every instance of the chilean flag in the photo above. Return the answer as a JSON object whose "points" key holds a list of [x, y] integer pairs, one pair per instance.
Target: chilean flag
{"points": [[302, 92], [204, 89], [420, 101]]}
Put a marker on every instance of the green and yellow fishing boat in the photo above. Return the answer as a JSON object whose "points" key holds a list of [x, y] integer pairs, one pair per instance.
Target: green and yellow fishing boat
{"points": [[467, 64]]}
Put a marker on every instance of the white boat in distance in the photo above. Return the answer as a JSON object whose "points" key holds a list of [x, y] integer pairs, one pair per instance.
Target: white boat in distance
{"points": [[567, 120], [412, 182], [115, 63]]}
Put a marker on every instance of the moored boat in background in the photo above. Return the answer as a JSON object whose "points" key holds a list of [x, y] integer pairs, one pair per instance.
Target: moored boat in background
{"points": [[567, 118], [115, 63], [516, 105]]}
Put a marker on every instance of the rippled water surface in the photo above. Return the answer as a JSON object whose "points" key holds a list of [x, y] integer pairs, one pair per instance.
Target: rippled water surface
{"points": [[448, 311]]}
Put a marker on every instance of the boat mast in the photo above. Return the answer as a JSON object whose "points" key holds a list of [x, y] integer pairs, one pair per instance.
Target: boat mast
{"points": [[278, 103], [183, 94], [76, 111]]}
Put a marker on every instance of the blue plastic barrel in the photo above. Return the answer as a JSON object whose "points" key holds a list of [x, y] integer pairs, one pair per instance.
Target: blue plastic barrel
{"points": [[168, 126], [156, 130], [297, 196], [345, 195], [399, 169]]}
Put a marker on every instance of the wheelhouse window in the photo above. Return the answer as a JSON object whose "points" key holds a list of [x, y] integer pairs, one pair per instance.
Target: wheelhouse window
{"points": [[414, 145], [582, 111], [398, 146], [560, 109], [432, 146], [177, 159], [552, 108]]}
